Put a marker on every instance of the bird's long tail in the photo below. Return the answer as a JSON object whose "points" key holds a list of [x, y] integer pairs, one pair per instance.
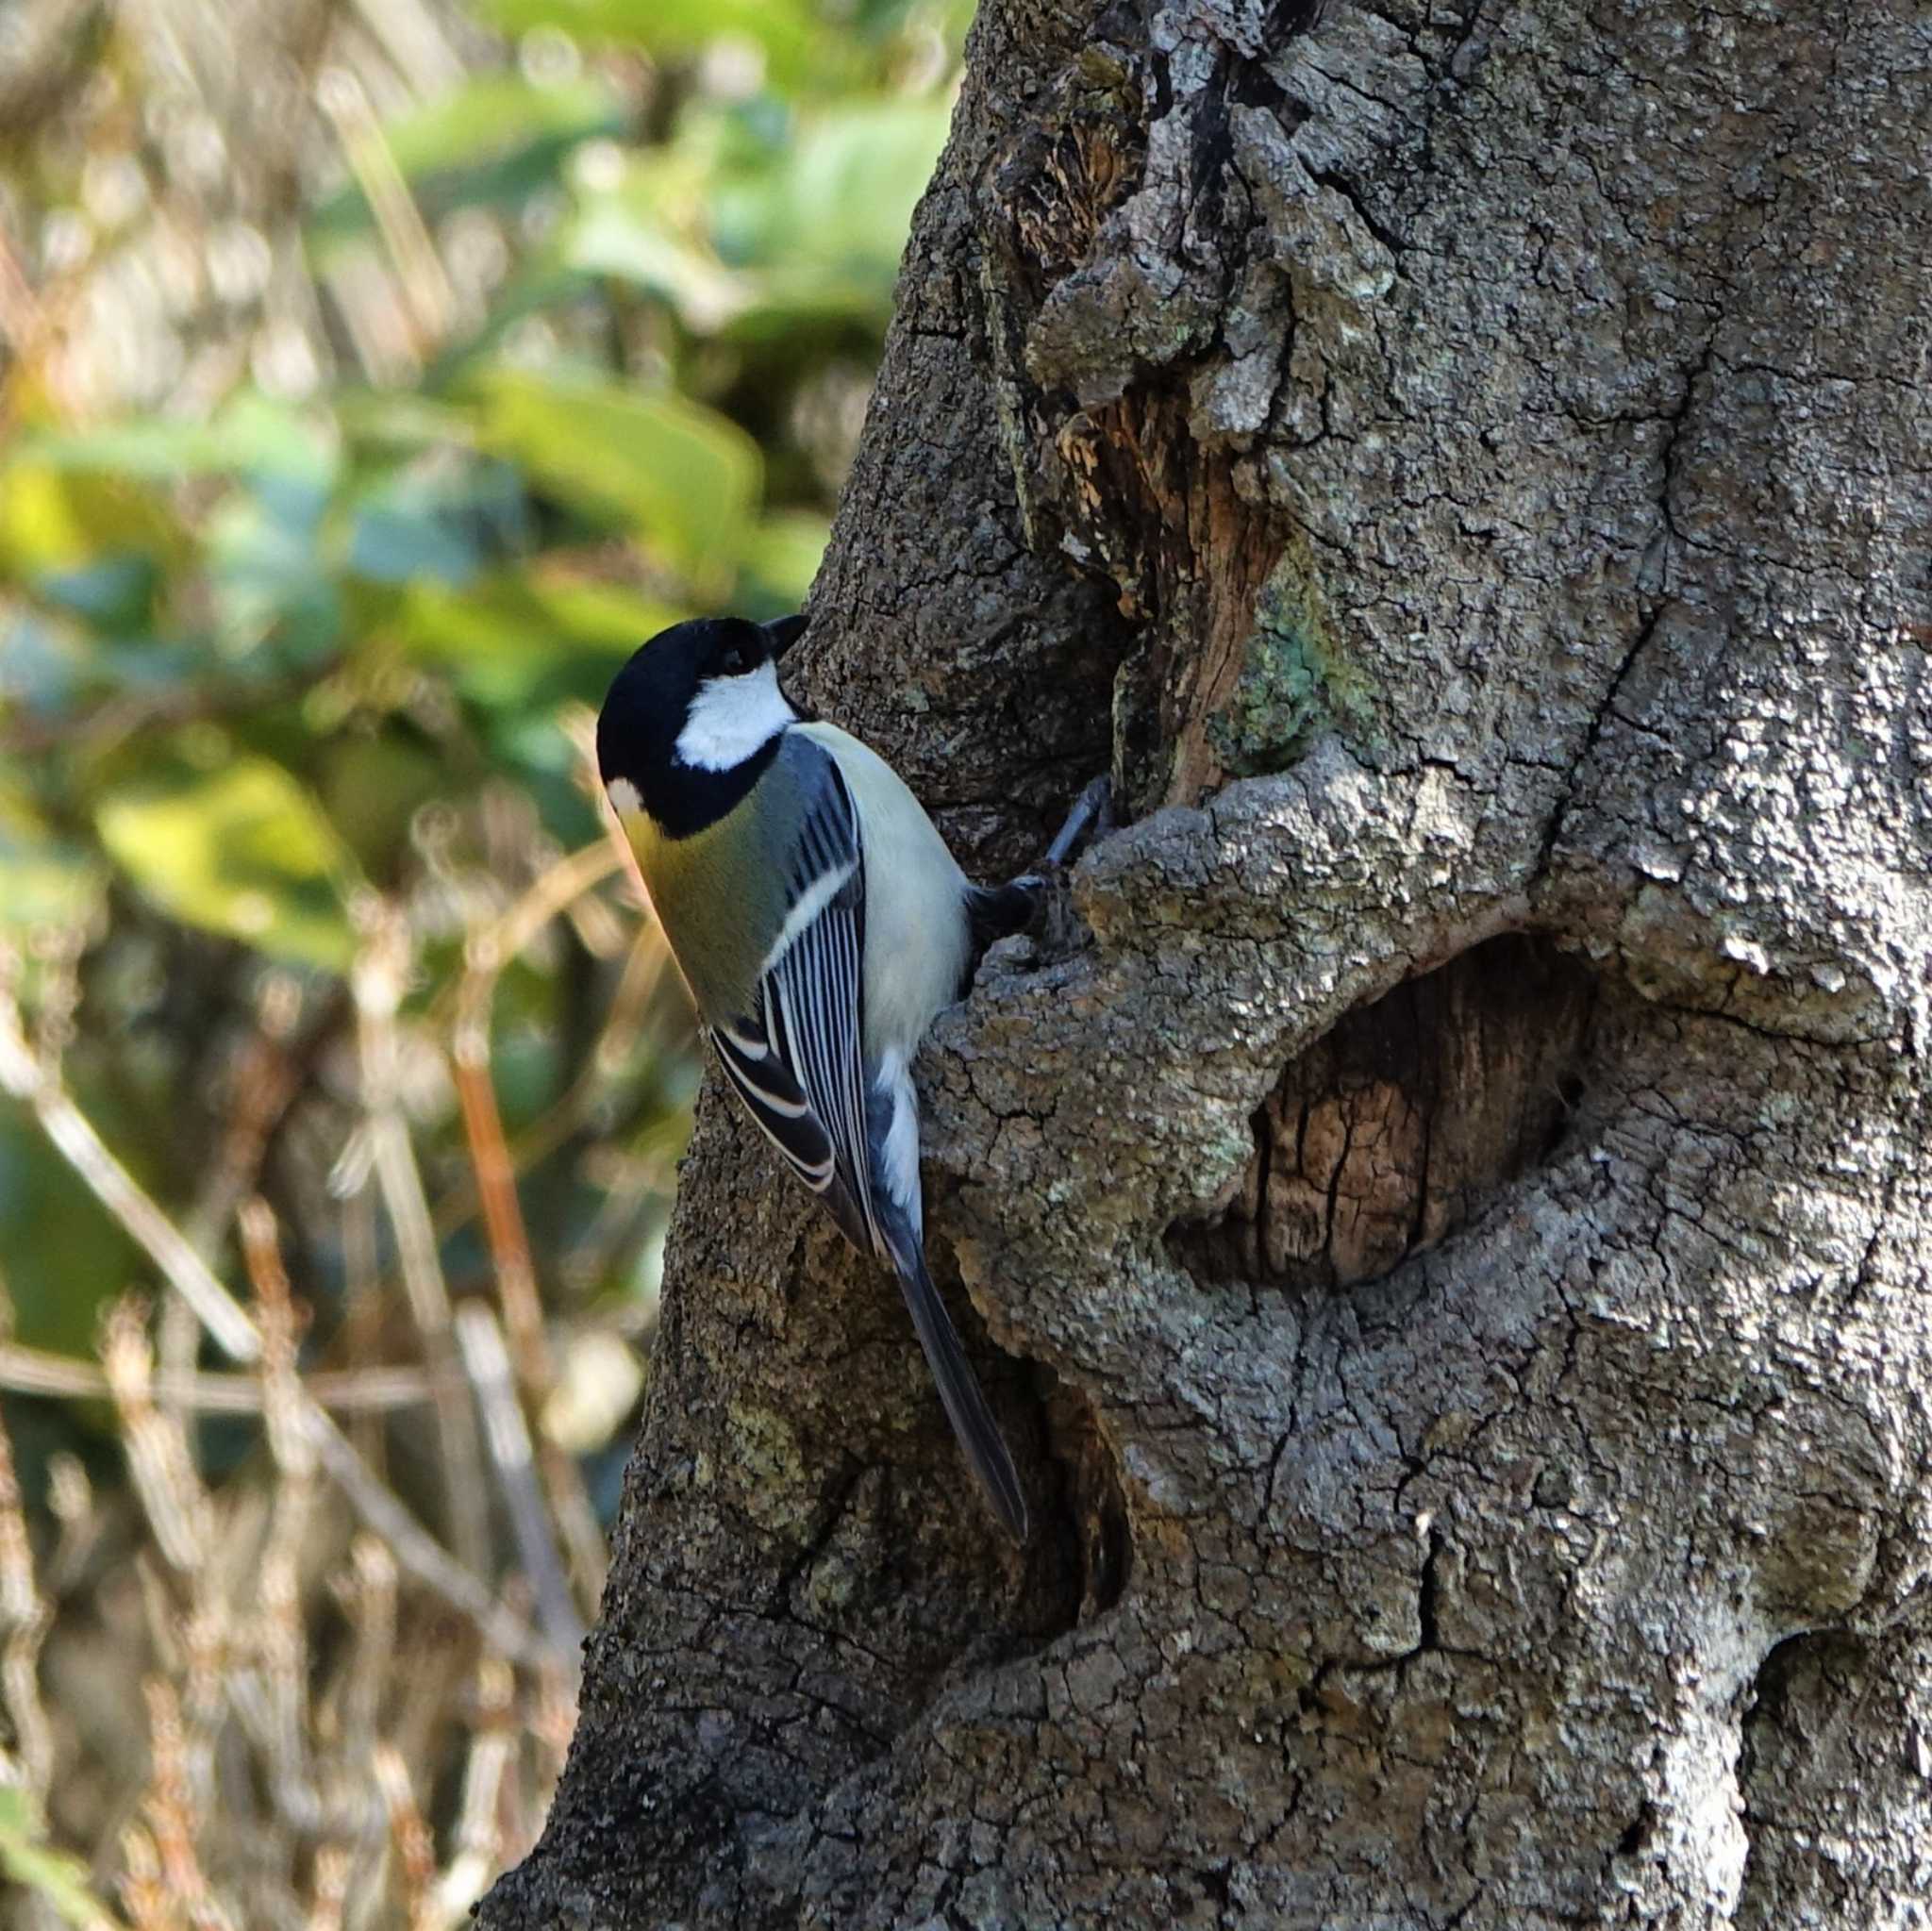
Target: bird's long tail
{"points": [[973, 1422]]}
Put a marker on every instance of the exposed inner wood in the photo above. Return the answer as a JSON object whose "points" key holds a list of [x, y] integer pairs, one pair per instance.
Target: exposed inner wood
{"points": [[1389, 1132]]}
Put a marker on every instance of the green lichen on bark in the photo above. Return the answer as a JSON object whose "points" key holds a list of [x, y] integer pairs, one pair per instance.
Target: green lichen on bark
{"points": [[1295, 680]]}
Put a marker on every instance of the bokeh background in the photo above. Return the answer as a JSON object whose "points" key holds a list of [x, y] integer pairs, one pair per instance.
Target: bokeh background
{"points": [[375, 375]]}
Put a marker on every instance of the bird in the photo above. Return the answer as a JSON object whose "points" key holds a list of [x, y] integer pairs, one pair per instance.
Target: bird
{"points": [[821, 924]]}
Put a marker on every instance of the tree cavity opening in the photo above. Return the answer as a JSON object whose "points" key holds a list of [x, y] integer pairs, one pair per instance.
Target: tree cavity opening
{"points": [[1394, 1127]]}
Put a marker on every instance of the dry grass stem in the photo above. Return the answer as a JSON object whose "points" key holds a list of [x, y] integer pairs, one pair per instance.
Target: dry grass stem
{"points": [[346, 1391], [488, 1363], [333, 1865], [22, 1075], [479, 1834], [160, 1458], [414, 1850], [283, 1609], [24, 1614], [168, 1812], [381, 972], [486, 952], [419, 269]]}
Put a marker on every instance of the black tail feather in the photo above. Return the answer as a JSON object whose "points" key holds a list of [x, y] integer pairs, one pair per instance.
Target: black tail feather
{"points": [[973, 1422]]}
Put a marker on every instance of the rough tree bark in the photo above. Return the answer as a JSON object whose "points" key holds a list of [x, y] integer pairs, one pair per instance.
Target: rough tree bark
{"points": [[1448, 1220]]}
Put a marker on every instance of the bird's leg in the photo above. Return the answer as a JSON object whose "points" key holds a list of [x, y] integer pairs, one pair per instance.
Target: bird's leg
{"points": [[1091, 817], [1001, 911]]}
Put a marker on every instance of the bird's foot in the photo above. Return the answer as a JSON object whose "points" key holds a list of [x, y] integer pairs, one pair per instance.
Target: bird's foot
{"points": [[1002, 910]]}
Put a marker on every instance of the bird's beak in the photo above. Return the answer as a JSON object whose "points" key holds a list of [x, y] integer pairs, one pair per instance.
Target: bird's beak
{"points": [[783, 632]]}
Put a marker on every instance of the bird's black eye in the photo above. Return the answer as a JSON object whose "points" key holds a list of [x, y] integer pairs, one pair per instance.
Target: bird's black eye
{"points": [[734, 661]]}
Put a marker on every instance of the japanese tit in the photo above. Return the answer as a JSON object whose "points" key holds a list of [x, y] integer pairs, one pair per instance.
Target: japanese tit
{"points": [[821, 924]]}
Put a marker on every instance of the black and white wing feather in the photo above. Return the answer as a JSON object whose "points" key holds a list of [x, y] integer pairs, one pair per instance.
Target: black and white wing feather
{"points": [[797, 1061], [798, 1064]]}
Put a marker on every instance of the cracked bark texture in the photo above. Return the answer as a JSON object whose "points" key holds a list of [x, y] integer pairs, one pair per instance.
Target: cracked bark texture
{"points": [[1447, 1232]]}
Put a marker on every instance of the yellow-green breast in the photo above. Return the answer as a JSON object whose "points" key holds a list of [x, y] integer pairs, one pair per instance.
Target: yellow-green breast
{"points": [[719, 898]]}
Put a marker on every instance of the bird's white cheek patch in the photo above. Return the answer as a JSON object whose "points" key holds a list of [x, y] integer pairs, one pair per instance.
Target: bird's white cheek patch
{"points": [[731, 717]]}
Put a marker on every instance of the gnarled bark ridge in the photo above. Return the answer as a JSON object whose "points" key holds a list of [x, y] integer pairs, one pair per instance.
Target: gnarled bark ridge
{"points": [[1450, 1237]]}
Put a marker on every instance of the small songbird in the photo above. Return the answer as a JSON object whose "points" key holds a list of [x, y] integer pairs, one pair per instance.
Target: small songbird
{"points": [[821, 924]]}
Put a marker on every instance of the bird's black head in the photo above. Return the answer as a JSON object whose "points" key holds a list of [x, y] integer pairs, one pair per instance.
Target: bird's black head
{"points": [[694, 716]]}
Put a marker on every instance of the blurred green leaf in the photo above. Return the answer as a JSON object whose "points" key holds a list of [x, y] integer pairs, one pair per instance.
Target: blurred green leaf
{"points": [[646, 229], [45, 664], [58, 1880], [268, 582], [66, 1257], [446, 524], [241, 850], [747, 232], [538, 290], [493, 141], [493, 115], [384, 424], [371, 787], [784, 29], [780, 558], [843, 199], [44, 880], [251, 435], [52, 519], [680, 478], [520, 641], [113, 594]]}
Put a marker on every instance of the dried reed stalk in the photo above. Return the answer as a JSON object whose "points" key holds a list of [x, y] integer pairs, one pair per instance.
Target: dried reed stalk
{"points": [[24, 1615], [486, 953], [380, 974]]}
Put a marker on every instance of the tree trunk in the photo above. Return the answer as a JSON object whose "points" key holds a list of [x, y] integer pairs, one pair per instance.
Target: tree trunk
{"points": [[1447, 1219]]}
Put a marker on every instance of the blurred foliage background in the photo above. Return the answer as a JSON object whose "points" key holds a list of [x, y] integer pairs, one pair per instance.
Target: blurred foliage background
{"points": [[375, 375]]}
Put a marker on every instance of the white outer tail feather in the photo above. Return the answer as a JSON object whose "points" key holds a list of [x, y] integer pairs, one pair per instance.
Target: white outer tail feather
{"points": [[899, 1147]]}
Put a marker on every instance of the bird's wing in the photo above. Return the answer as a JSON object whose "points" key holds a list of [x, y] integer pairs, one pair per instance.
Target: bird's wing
{"points": [[798, 1064], [796, 1060]]}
